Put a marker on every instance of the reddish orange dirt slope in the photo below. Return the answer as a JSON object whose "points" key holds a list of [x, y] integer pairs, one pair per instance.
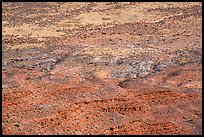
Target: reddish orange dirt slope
{"points": [[78, 68]]}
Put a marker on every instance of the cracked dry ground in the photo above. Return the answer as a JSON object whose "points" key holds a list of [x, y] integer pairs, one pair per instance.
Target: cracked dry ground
{"points": [[102, 68]]}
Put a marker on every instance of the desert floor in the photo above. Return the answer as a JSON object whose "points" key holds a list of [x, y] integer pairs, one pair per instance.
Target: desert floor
{"points": [[102, 68]]}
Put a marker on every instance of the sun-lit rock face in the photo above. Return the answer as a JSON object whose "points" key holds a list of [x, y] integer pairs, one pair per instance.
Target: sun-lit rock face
{"points": [[131, 68]]}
